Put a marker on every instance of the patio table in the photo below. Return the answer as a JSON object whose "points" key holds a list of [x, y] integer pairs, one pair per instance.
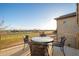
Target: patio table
{"points": [[42, 46]]}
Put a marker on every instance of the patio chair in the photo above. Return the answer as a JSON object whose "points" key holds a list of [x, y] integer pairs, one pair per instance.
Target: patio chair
{"points": [[26, 41], [61, 44], [43, 34]]}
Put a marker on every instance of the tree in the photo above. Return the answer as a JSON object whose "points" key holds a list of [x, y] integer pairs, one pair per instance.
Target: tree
{"points": [[2, 27], [1, 24]]}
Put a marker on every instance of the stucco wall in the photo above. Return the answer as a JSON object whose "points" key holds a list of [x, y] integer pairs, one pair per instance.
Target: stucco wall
{"points": [[68, 27]]}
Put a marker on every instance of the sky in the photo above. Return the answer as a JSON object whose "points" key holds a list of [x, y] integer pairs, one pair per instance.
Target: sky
{"points": [[25, 16]]}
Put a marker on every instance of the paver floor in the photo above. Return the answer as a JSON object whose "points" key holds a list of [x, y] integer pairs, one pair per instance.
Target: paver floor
{"points": [[19, 51]]}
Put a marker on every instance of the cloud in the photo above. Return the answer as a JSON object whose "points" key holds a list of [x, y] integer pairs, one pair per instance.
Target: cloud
{"points": [[50, 24]]}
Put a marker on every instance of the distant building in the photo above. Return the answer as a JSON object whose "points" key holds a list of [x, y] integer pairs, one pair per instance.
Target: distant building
{"points": [[67, 26]]}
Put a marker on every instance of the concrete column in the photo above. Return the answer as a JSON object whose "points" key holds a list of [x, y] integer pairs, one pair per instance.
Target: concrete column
{"points": [[78, 14], [77, 36]]}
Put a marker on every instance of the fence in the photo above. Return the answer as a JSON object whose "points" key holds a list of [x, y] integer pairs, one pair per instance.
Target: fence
{"points": [[13, 38], [10, 39]]}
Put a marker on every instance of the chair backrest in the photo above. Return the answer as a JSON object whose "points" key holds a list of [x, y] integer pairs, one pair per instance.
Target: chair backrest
{"points": [[63, 39], [43, 34], [26, 39]]}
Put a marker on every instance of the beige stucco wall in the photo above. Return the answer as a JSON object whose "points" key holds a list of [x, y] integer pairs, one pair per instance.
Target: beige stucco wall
{"points": [[68, 29]]}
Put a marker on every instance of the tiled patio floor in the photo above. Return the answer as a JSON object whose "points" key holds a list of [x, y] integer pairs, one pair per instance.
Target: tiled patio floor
{"points": [[18, 51], [68, 51]]}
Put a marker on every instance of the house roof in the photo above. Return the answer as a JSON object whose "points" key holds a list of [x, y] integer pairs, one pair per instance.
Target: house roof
{"points": [[66, 16]]}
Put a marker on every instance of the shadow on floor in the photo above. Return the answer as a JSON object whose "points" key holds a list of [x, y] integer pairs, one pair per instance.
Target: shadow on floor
{"points": [[19, 53]]}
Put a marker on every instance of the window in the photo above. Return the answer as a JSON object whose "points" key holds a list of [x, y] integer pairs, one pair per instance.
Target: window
{"points": [[64, 22]]}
